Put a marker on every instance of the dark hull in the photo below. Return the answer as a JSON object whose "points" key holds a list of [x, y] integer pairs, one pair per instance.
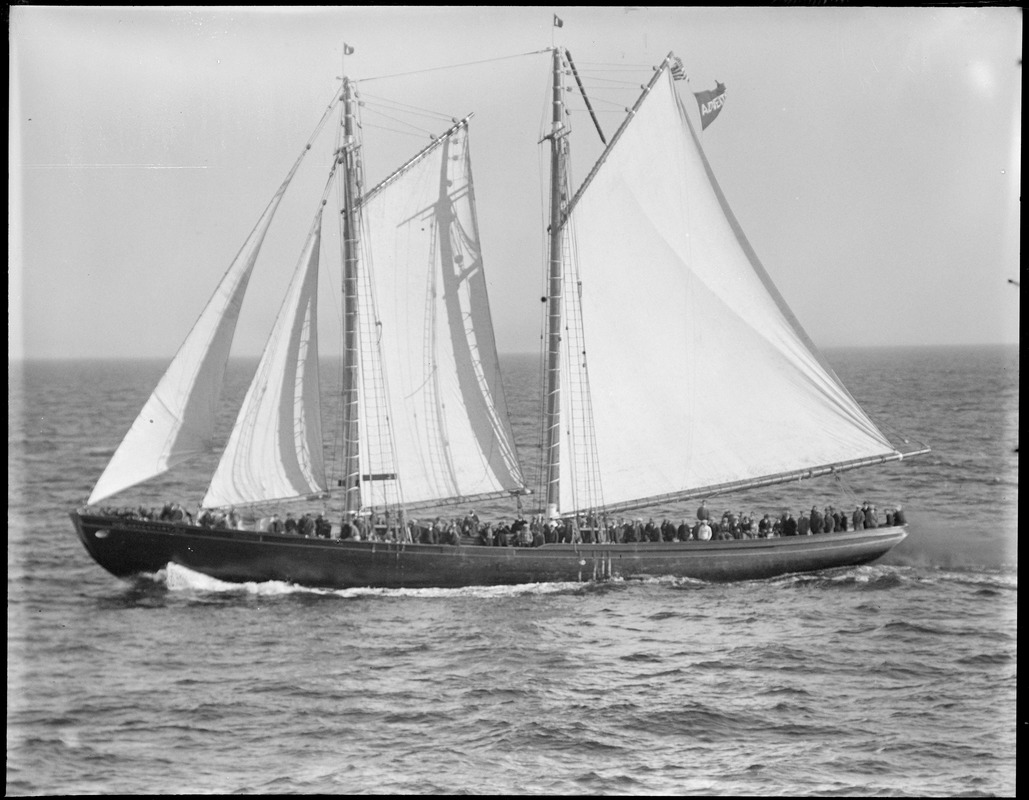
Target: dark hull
{"points": [[127, 547]]}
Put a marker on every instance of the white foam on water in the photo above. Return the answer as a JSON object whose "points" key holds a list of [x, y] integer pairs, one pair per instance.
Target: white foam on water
{"points": [[179, 578]]}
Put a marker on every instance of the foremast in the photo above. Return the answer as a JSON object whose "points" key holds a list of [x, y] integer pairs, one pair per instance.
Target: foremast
{"points": [[350, 159], [552, 420]]}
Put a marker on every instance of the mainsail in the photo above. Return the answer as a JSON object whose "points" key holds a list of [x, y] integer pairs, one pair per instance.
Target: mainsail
{"points": [[275, 448], [442, 431], [708, 379]]}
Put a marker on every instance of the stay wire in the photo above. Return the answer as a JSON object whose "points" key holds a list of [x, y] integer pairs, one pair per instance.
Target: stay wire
{"points": [[453, 66]]}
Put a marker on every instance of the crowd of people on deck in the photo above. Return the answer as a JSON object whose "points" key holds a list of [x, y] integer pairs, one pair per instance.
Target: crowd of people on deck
{"points": [[537, 531]]}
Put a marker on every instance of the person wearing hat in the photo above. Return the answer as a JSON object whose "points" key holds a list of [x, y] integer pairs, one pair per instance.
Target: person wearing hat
{"points": [[804, 525]]}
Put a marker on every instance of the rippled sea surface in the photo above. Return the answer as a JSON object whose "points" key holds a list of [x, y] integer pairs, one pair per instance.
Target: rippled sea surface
{"points": [[894, 679]]}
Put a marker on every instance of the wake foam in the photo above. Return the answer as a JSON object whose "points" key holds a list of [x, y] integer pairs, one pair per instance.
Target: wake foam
{"points": [[182, 579]]}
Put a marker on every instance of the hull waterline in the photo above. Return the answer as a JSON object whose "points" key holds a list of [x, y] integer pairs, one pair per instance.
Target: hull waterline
{"points": [[130, 547]]}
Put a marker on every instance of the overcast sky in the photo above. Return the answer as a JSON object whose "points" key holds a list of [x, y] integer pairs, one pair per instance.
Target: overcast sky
{"points": [[870, 154]]}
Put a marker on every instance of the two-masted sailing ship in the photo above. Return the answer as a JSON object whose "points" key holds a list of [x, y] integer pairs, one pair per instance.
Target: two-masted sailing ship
{"points": [[654, 296]]}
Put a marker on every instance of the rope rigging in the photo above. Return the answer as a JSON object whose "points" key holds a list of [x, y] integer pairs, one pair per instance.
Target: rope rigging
{"points": [[453, 66]]}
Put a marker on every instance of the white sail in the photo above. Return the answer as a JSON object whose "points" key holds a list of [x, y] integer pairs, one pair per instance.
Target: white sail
{"points": [[429, 339], [707, 378], [275, 448], [177, 421]]}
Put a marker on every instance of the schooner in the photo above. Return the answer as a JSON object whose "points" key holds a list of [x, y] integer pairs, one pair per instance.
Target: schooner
{"points": [[631, 419]]}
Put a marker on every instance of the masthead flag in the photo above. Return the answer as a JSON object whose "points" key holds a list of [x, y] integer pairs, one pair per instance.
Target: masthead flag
{"points": [[347, 49], [558, 22], [678, 70], [710, 103]]}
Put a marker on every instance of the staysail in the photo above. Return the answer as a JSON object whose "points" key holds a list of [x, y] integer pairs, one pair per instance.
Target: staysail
{"points": [[711, 382], [275, 448], [177, 421], [428, 333]]}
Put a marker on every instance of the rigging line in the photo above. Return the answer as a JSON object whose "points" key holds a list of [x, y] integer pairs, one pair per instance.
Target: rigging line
{"points": [[621, 108], [623, 88], [613, 65], [599, 79], [400, 121], [426, 111], [375, 107], [453, 66], [394, 130]]}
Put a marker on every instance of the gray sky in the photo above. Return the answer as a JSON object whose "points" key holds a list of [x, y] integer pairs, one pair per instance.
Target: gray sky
{"points": [[872, 155]]}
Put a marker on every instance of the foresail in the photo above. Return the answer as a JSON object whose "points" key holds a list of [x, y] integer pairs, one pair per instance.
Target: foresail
{"points": [[177, 421], [707, 378], [275, 448], [429, 359]]}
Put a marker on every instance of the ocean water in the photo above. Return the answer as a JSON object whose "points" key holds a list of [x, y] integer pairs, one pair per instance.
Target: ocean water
{"points": [[895, 679]]}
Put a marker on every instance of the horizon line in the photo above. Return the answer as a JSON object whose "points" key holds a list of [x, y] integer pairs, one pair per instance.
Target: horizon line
{"points": [[11, 358]]}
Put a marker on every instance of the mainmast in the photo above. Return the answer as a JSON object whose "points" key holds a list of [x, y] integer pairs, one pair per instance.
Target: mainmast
{"points": [[552, 422], [350, 159]]}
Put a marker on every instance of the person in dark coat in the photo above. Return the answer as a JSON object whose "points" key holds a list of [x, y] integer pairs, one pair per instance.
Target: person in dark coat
{"points": [[839, 520], [815, 520], [789, 524], [828, 523]]}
